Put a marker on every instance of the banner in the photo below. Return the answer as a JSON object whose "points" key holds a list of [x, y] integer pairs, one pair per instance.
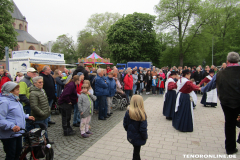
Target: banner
{"points": [[37, 54]]}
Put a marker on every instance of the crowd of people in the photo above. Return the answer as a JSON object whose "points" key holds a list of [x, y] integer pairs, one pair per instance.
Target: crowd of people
{"points": [[87, 91]]}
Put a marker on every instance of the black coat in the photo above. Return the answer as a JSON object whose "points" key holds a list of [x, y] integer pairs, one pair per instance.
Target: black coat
{"points": [[197, 77], [136, 130], [48, 85], [81, 69], [148, 79], [141, 77], [205, 74]]}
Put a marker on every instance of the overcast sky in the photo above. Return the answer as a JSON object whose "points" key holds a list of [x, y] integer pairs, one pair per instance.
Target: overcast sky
{"points": [[47, 19]]}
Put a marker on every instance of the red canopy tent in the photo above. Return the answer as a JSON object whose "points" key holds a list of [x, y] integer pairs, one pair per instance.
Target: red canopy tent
{"points": [[94, 59]]}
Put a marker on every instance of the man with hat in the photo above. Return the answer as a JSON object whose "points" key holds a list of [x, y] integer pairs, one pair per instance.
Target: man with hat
{"points": [[228, 89], [24, 86], [209, 98], [170, 96]]}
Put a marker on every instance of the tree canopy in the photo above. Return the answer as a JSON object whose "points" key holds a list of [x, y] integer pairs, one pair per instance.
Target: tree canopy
{"points": [[95, 34], [194, 25], [65, 44], [133, 38], [185, 32], [8, 35]]}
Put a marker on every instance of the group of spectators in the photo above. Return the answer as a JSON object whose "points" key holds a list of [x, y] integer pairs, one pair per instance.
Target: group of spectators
{"points": [[83, 90]]}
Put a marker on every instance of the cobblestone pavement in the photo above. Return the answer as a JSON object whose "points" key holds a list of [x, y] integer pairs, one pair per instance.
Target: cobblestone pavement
{"points": [[164, 142], [71, 147]]}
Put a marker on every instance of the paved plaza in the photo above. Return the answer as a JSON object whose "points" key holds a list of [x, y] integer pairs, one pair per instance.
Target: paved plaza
{"points": [[164, 142], [109, 140]]}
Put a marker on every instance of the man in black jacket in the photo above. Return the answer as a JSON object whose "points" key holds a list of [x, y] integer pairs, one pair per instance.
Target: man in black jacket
{"points": [[228, 87], [49, 87], [80, 68]]}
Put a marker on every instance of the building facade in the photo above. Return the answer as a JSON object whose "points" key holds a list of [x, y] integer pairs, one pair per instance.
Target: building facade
{"points": [[25, 40]]}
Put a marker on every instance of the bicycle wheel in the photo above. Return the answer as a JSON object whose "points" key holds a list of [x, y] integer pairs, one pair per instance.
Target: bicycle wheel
{"points": [[49, 154], [25, 153], [114, 103]]}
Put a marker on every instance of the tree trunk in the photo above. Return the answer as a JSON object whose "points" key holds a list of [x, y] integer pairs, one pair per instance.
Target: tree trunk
{"points": [[180, 41]]}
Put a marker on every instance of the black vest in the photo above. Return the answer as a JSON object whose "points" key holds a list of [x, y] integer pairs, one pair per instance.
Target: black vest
{"points": [[228, 86]]}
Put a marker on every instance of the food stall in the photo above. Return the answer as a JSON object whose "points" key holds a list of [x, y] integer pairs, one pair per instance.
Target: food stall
{"points": [[21, 60]]}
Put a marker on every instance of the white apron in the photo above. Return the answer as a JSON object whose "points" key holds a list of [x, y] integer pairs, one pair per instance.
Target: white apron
{"points": [[211, 96]]}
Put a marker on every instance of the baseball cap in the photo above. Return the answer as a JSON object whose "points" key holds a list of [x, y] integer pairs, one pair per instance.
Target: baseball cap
{"points": [[30, 69]]}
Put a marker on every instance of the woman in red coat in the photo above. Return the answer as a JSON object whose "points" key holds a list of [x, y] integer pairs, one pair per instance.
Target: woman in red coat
{"points": [[4, 77], [128, 83]]}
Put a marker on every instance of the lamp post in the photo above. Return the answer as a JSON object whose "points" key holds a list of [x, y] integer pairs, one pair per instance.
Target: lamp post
{"points": [[7, 57], [212, 50]]}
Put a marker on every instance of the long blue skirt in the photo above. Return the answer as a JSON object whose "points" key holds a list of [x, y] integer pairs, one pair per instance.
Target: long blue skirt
{"points": [[203, 101], [182, 119], [169, 104]]}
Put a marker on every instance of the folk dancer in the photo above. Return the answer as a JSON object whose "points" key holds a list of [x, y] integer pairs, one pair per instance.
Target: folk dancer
{"points": [[186, 99], [170, 96], [209, 98]]}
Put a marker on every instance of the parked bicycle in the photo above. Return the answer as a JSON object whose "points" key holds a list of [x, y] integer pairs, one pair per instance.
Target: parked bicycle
{"points": [[36, 145]]}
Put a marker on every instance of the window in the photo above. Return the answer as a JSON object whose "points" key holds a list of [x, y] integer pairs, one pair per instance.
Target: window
{"points": [[41, 48], [20, 26], [26, 28], [14, 25], [31, 48]]}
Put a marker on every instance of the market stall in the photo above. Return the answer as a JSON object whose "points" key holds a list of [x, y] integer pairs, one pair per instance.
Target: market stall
{"points": [[21, 60]]}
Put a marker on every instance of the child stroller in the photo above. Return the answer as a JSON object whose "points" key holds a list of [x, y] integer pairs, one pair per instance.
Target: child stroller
{"points": [[119, 102]]}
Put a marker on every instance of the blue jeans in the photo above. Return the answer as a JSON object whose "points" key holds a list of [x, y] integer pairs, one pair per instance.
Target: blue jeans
{"points": [[141, 87], [134, 88], [45, 121], [102, 107], [106, 108], [153, 89], [76, 116], [50, 102], [12, 147], [128, 93], [96, 105], [160, 90]]}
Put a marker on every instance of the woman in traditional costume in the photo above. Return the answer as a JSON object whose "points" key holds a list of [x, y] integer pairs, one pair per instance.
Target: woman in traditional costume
{"points": [[209, 98], [186, 100], [170, 96]]}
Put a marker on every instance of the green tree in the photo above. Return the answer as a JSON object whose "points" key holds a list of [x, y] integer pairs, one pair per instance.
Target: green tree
{"points": [[65, 44], [133, 38], [86, 43], [98, 25], [225, 23], [186, 17], [8, 35]]}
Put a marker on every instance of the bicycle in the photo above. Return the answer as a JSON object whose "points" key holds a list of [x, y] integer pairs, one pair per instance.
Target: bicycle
{"points": [[36, 144]]}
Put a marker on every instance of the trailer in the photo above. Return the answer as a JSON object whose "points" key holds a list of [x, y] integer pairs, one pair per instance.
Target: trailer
{"points": [[134, 64], [22, 60]]}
